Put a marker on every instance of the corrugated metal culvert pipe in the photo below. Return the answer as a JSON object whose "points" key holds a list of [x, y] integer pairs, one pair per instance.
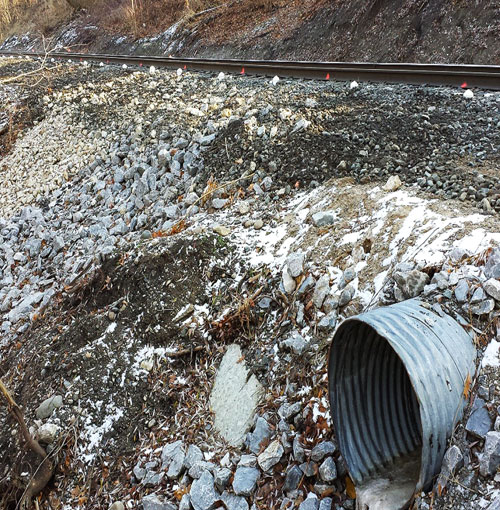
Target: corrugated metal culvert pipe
{"points": [[396, 382]]}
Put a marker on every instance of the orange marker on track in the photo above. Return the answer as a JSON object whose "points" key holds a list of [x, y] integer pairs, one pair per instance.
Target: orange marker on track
{"points": [[327, 76], [242, 70]]}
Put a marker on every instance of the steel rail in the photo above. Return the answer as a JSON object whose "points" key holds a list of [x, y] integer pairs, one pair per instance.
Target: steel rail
{"points": [[454, 75]]}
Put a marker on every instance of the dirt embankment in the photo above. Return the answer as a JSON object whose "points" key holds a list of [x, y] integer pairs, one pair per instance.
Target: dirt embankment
{"points": [[457, 31]]}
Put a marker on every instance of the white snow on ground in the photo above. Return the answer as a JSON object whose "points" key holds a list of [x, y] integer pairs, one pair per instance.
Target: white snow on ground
{"points": [[491, 354]]}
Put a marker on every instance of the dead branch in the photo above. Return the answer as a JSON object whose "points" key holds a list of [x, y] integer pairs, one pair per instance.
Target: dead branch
{"points": [[45, 470]]}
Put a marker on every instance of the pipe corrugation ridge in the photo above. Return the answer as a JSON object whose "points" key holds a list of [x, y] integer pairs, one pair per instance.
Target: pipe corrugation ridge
{"points": [[396, 379]]}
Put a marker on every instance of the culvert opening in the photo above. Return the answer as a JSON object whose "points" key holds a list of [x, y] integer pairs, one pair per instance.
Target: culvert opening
{"points": [[376, 417]]}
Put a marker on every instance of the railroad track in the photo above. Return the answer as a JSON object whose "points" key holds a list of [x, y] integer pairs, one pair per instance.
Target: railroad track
{"points": [[454, 75]]}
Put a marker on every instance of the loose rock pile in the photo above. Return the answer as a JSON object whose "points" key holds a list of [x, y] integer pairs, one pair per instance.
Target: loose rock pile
{"points": [[225, 180]]}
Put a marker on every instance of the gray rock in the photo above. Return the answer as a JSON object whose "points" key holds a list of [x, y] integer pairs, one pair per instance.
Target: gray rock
{"points": [[271, 455], [292, 479], [462, 291], [235, 397], [299, 453], [295, 342], [484, 307], [328, 322], [117, 505], [152, 502], [259, 436], [185, 503], [309, 468], [328, 470], [219, 203], [346, 295], [489, 461], [199, 467], [478, 296], [266, 183], [495, 504], [48, 433], [310, 503], [169, 451], [321, 290], [330, 304], [248, 460], [326, 504], [453, 460], [176, 465], [324, 218], [222, 477], [295, 264], [207, 140], [193, 454], [321, 450], [287, 411], [46, 408], [306, 285], [203, 494], [288, 282], [441, 280], [152, 478], [492, 288], [411, 283], [233, 502], [139, 472], [479, 422], [245, 481]]}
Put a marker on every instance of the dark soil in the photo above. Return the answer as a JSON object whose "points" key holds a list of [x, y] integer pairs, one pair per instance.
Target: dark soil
{"points": [[84, 348]]}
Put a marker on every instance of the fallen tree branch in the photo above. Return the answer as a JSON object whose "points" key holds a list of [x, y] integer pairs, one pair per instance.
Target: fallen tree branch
{"points": [[45, 470]]}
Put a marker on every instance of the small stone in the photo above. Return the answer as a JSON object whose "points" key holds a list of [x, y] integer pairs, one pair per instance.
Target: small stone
{"points": [[325, 504], [483, 307], [243, 208], [139, 472], [199, 467], [48, 433], [489, 460], [411, 283], [287, 411], [292, 479], [248, 461], [321, 450], [295, 264], [295, 342], [152, 502], [310, 503], [288, 282], [462, 291], [185, 503], [478, 296], [298, 451], [479, 422], [328, 470], [492, 288], [169, 451], [323, 219], [258, 224], [328, 322], [221, 230], [46, 408], [152, 478], [321, 290], [222, 477], [203, 494], [219, 203], [453, 460], [306, 285], [245, 481], [193, 455], [271, 455], [117, 505], [346, 295], [176, 465], [392, 184], [309, 468], [233, 502], [259, 436]]}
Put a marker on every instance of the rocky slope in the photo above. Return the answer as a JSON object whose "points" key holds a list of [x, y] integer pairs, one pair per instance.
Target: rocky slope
{"points": [[160, 228]]}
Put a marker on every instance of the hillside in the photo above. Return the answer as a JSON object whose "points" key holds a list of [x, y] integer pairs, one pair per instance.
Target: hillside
{"points": [[458, 31]]}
